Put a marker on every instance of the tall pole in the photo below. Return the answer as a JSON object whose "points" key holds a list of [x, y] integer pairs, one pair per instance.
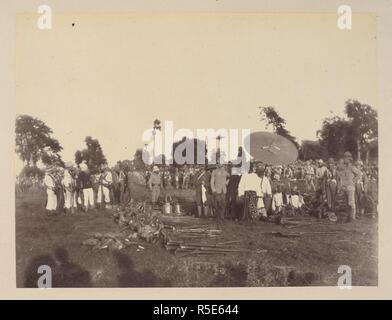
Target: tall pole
{"points": [[153, 152], [157, 126]]}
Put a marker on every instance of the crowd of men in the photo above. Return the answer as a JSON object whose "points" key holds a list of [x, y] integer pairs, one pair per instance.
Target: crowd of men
{"points": [[77, 188], [226, 192], [222, 191]]}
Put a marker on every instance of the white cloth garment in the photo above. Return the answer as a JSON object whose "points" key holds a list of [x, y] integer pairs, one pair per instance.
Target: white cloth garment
{"points": [[102, 190], [295, 201], [50, 185], [49, 182], [88, 195], [52, 200], [266, 188], [67, 181], [277, 201], [69, 197], [107, 178], [203, 194], [251, 182]]}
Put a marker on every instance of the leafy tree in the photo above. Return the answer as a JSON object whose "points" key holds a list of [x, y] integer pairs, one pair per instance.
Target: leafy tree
{"points": [[32, 172], [364, 122], [310, 150], [92, 155], [34, 141], [373, 150], [357, 133], [335, 137], [272, 117]]}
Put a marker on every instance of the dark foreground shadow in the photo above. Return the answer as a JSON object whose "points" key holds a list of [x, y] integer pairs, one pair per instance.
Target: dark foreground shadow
{"points": [[64, 273], [131, 278], [235, 276]]}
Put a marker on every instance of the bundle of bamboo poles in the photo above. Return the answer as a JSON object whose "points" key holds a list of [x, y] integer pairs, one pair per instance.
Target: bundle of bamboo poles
{"points": [[189, 249], [198, 233], [189, 236]]}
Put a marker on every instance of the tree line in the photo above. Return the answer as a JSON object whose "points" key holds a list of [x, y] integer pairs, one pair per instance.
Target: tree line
{"points": [[356, 131]]}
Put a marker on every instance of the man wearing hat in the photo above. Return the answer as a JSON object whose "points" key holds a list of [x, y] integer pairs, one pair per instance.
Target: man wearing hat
{"points": [[332, 182], [232, 202], [201, 191], [116, 185], [86, 185], [69, 185], [250, 194], [104, 184], [348, 177], [58, 176], [155, 184], [50, 184], [219, 180], [361, 186], [321, 180], [309, 176]]}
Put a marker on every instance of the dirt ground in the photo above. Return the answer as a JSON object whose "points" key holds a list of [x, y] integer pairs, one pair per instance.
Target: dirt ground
{"points": [[311, 259]]}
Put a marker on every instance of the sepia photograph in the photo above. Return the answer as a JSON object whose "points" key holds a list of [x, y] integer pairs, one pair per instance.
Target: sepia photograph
{"points": [[208, 150]]}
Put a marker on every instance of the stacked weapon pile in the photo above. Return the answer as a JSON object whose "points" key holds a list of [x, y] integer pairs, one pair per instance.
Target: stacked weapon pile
{"points": [[181, 235], [142, 221], [138, 224]]}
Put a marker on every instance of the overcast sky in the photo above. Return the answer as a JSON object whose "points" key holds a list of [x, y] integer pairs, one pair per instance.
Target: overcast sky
{"points": [[110, 76]]}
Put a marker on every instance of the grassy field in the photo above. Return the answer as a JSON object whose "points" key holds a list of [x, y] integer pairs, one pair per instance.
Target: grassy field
{"points": [[312, 259]]}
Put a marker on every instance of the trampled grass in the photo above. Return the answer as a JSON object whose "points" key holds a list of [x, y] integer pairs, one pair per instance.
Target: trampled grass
{"points": [[311, 259]]}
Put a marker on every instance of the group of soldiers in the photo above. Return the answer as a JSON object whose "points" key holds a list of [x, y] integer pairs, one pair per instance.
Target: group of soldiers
{"points": [[223, 191], [177, 178], [76, 188], [24, 184]]}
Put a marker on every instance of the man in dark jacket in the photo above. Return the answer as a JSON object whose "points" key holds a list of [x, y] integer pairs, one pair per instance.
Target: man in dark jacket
{"points": [[86, 185]]}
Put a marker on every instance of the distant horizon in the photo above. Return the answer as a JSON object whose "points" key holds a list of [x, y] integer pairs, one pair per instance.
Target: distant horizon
{"points": [[263, 129]]}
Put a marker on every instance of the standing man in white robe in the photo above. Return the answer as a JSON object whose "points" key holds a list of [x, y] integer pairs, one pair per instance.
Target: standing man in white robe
{"points": [[50, 184], [69, 185], [105, 182], [252, 182]]}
